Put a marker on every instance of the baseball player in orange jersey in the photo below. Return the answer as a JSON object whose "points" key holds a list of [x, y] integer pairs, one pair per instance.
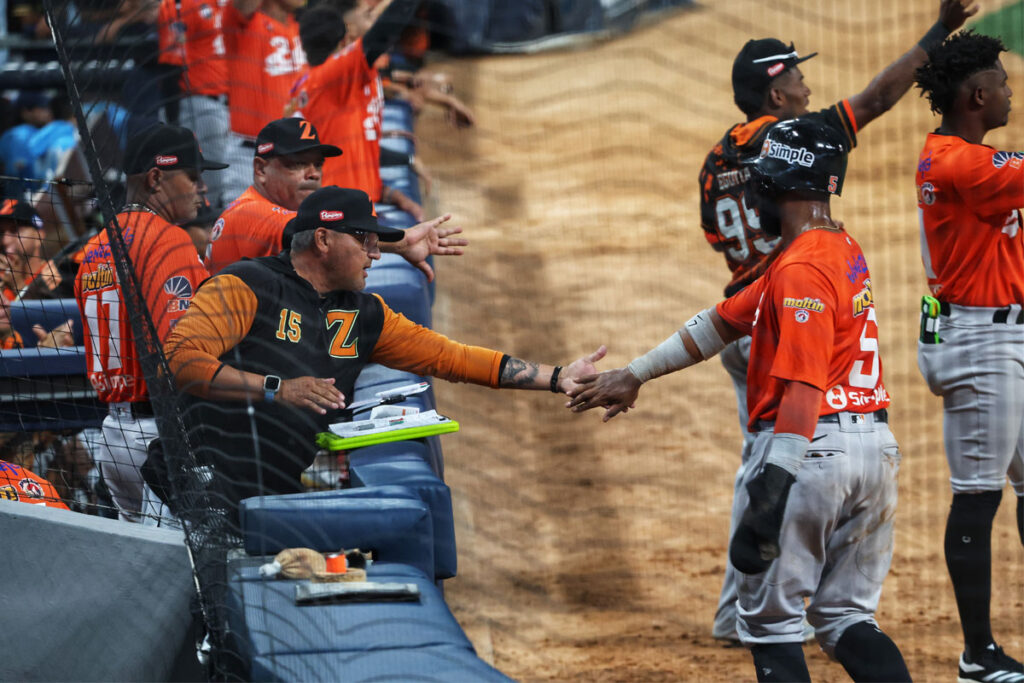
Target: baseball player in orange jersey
{"points": [[342, 93], [768, 87], [971, 350], [18, 484], [821, 484], [265, 57], [163, 165], [288, 168], [190, 38]]}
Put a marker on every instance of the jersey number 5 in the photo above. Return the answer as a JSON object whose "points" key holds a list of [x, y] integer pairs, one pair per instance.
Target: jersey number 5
{"points": [[869, 345]]}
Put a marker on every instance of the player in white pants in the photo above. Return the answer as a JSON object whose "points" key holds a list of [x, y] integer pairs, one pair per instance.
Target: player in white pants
{"points": [[971, 349]]}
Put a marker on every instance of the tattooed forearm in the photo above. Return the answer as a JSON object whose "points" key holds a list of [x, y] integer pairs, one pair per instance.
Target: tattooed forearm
{"points": [[519, 374]]}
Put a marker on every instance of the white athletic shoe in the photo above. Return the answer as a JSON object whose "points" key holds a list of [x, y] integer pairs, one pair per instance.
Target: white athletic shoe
{"points": [[992, 666]]}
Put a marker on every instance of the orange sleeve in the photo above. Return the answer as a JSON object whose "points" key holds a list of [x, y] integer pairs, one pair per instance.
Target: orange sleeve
{"points": [[171, 49], [404, 345], [740, 309], [991, 182], [169, 272], [220, 316], [806, 306]]}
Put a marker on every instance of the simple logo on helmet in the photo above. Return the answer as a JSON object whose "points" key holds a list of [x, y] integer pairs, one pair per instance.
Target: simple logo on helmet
{"points": [[926, 194], [791, 155], [1000, 159], [332, 215], [178, 287], [836, 397], [166, 160], [775, 69], [265, 147]]}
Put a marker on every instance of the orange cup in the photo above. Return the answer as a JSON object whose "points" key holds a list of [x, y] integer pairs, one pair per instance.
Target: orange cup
{"points": [[337, 564]]}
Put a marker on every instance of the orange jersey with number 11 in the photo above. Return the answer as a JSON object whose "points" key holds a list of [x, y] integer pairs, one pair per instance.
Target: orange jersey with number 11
{"points": [[811, 318]]}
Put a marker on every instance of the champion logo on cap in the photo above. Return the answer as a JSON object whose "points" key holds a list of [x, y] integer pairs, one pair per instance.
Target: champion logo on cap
{"points": [[165, 160], [774, 69], [332, 215], [265, 147]]}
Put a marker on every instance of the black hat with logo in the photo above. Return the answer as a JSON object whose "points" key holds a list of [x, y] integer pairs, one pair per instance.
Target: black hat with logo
{"points": [[758, 63], [21, 212], [168, 148], [291, 136], [339, 209]]}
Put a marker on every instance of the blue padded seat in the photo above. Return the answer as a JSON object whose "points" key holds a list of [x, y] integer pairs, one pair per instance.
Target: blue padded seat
{"points": [[46, 312], [393, 218], [397, 115], [398, 528], [402, 178], [399, 144], [376, 466], [43, 389], [405, 290], [432, 664], [267, 623]]}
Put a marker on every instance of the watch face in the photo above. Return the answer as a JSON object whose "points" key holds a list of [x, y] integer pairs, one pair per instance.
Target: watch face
{"points": [[272, 383]]}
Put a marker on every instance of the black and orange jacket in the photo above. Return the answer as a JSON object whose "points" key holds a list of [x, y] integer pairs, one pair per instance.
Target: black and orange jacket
{"points": [[728, 212], [259, 316]]}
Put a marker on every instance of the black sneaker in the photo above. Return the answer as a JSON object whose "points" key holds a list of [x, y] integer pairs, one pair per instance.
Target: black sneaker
{"points": [[991, 666]]}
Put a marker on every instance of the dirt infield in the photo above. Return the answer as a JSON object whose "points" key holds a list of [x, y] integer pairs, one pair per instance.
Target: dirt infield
{"points": [[595, 552]]}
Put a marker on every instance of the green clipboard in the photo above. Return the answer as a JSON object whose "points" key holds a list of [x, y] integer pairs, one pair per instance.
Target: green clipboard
{"points": [[333, 442]]}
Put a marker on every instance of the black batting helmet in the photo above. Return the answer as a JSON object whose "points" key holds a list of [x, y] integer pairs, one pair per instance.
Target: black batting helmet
{"points": [[801, 155]]}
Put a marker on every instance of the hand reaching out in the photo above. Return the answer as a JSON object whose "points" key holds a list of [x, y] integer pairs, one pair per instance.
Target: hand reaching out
{"points": [[615, 390], [954, 13], [572, 374], [430, 238], [58, 337]]}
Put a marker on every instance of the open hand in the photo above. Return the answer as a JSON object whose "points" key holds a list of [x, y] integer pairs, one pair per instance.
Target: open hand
{"points": [[429, 238], [954, 13], [615, 390], [315, 394], [58, 337]]}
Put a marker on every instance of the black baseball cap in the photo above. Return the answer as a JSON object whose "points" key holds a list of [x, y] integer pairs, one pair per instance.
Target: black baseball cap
{"points": [[168, 148], [758, 63], [291, 136], [339, 209], [21, 212]]}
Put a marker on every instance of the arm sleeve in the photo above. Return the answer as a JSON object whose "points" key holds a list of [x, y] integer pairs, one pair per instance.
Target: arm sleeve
{"points": [[991, 182], [220, 316], [386, 31], [404, 345], [840, 116], [805, 304]]}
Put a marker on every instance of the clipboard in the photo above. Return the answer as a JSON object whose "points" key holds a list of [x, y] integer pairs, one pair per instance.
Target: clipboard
{"points": [[359, 433]]}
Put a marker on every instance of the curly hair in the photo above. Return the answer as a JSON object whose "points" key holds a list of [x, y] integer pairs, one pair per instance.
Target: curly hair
{"points": [[952, 62]]}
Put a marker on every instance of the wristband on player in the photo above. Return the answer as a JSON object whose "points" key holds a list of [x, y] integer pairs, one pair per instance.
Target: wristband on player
{"points": [[668, 356], [787, 451], [935, 35], [554, 379]]}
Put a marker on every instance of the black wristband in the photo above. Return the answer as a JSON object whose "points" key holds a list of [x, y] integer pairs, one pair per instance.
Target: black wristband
{"points": [[554, 379], [935, 35]]}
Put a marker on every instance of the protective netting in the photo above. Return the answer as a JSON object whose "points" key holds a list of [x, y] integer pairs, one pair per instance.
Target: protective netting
{"points": [[584, 551]]}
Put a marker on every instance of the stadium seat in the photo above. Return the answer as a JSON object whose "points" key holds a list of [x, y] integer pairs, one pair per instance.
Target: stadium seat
{"points": [[396, 466], [397, 115], [402, 178], [404, 290], [393, 523], [278, 638], [46, 312]]}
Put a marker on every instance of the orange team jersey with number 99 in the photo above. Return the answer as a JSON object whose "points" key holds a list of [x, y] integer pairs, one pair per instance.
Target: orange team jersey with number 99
{"points": [[344, 99], [968, 199], [812, 319], [168, 271], [264, 58]]}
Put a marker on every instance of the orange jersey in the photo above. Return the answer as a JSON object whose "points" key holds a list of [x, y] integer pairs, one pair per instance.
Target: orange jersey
{"points": [[344, 99], [250, 226], [17, 483], [168, 272], [264, 59], [811, 318], [190, 37], [968, 199]]}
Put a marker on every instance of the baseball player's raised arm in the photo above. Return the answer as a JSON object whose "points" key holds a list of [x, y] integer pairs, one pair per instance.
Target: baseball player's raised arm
{"points": [[892, 83], [387, 29]]}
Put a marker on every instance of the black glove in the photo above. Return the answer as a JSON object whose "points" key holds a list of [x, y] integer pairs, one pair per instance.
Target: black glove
{"points": [[756, 541]]}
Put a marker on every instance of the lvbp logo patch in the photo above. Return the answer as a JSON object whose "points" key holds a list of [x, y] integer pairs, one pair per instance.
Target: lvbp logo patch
{"points": [[791, 155]]}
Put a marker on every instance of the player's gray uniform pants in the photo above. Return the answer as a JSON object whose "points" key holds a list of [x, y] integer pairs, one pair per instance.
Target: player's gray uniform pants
{"points": [[238, 176], [208, 118], [735, 358], [978, 370], [123, 452], [836, 540]]}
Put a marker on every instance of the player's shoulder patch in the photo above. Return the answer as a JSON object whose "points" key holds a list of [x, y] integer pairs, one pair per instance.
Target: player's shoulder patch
{"points": [[1011, 159]]}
